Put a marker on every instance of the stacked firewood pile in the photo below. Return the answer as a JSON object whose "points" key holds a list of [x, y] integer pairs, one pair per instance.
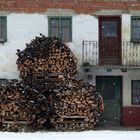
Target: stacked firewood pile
{"points": [[48, 95], [21, 105], [50, 66], [46, 55], [77, 107]]}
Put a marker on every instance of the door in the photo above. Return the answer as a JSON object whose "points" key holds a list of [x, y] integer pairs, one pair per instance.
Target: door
{"points": [[110, 88], [109, 40]]}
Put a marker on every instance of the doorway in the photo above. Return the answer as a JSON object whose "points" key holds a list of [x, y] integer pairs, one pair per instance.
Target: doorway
{"points": [[110, 40], [110, 88]]}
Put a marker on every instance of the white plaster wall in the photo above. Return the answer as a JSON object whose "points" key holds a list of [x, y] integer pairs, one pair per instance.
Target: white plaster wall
{"points": [[126, 25], [22, 28], [85, 27], [127, 77]]}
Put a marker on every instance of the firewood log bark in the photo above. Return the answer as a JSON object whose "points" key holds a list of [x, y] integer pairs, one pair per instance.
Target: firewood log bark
{"points": [[46, 55], [77, 107], [21, 105]]}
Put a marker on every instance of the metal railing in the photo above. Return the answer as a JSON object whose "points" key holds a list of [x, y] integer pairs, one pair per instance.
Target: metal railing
{"points": [[130, 54]]}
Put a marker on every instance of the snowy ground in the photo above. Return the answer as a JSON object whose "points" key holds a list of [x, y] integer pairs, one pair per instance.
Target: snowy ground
{"points": [[87, 135]]}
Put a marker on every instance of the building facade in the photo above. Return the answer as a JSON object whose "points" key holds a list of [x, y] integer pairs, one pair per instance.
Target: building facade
{"points": [[104, 35]]}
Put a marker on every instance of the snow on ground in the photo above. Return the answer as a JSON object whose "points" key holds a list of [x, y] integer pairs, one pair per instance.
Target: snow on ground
{"points": [[87, 135]]}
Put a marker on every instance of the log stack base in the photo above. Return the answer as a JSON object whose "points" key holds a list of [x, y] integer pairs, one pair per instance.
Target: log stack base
{"points": [[77, 107], [21, 105]]}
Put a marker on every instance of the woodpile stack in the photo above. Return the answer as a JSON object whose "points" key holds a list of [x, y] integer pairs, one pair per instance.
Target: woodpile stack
{"points": [[48, 94], [46, 55], [77, 107], [21, 105]]}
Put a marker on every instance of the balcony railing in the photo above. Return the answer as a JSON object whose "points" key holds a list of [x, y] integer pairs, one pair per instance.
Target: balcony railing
{"points": [[130, 54]]}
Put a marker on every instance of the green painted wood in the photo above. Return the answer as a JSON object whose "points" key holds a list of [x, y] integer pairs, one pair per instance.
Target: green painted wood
{"points": [[110, 88]]}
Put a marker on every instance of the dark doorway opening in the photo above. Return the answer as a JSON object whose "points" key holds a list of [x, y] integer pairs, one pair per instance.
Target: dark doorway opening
{"points": [[110, 88]]}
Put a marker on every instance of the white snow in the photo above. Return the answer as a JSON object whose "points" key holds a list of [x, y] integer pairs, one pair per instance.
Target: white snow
{"points": [[87, 135]]}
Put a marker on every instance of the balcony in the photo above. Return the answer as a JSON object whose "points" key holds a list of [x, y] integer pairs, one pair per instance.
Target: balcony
{"points": [[129, 56]]}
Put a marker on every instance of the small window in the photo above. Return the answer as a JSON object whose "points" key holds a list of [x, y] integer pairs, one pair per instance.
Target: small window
{"points": [[135, 29], [61, 27], [109, 29], [136, 92], [3, 29]]}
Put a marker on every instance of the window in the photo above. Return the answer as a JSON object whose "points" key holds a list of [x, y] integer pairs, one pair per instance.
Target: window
{"points": [[3, 29], [135, 29], [61, 27], [109, 28], [136, 92]]}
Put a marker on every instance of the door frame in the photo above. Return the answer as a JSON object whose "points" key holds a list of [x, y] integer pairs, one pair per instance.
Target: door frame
{"points": [[101, 17], [121, 93]]}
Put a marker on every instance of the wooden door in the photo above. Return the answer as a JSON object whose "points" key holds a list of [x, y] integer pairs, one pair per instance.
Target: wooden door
{"points": [[109, 41], [110, 88]]}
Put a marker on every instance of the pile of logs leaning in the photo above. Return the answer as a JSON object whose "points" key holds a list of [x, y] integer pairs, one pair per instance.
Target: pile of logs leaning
{"points": [[48, 94]]}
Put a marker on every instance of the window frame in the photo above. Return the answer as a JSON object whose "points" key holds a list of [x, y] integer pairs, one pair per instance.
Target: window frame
{"points": [[132, 103], [133, 39], [5, 37], [60, 26]]}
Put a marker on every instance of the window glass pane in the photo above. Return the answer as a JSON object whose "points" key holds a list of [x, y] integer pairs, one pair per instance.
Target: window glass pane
{"points": [[61, 28], [135, 22], [66, 22], [136, 92], [109, 29], [54, 22], [136, 33], [65, 35], [3, 34], [54, 27], [3, 21]]}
